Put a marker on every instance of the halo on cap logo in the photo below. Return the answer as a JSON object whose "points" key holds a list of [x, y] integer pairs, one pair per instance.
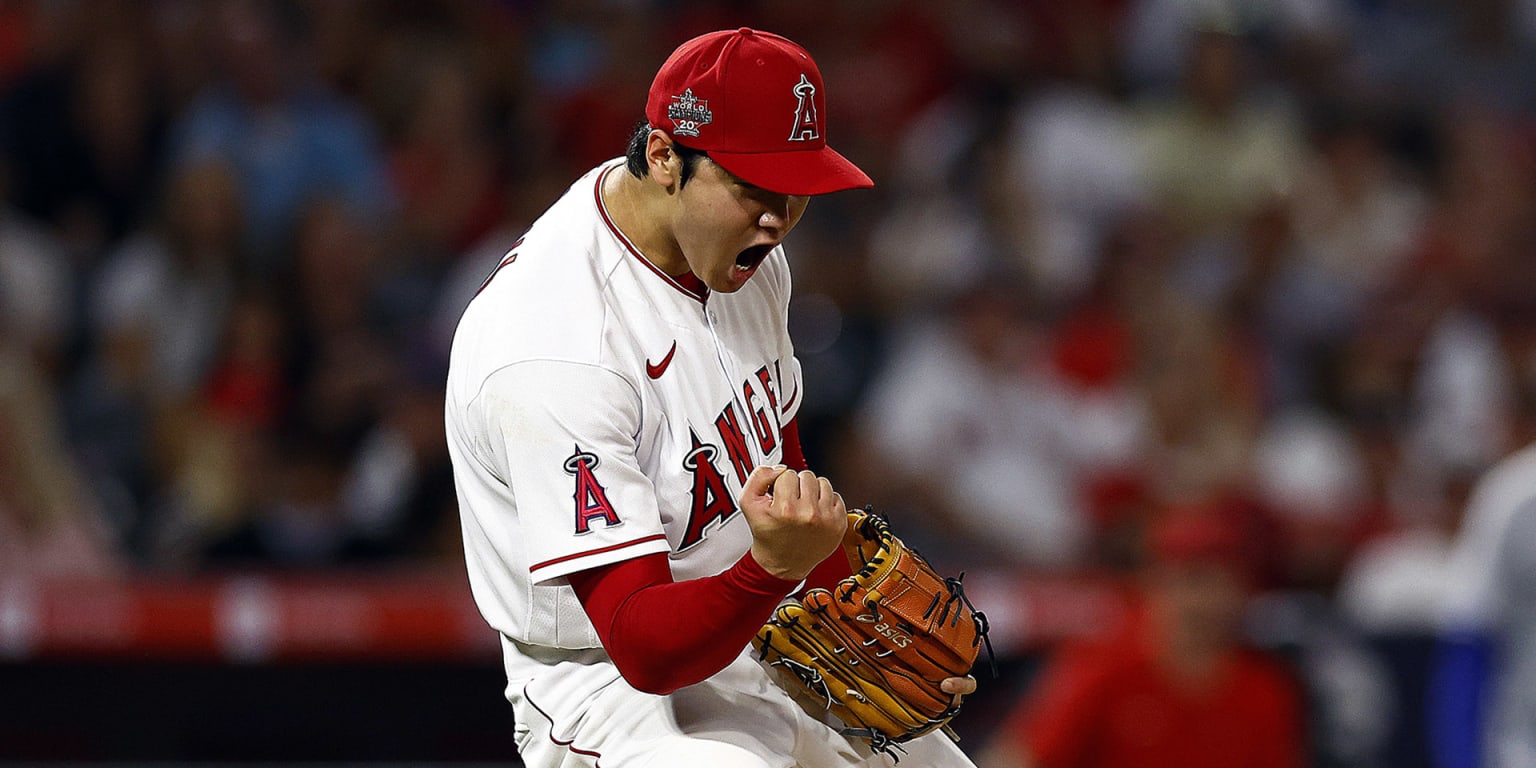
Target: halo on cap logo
{"points": [[688, 113], [805, 128]]}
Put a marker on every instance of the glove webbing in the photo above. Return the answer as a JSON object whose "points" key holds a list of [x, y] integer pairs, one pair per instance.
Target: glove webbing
{"points": [[957, 592], [956, 587]]}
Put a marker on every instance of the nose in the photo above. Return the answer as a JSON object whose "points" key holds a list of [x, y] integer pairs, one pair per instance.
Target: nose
{"points": [[775, 216]]}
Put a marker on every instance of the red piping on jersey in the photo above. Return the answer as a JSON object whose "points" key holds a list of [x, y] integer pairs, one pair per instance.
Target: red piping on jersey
{"points": [[598, 551], [597, 756], [602, 210], [510, 257]]}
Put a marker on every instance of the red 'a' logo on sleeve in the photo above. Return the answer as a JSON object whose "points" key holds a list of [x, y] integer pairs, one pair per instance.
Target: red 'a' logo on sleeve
{"points": [[591, 499]]}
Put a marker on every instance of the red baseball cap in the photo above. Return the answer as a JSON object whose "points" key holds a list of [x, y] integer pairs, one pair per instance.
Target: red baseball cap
{"points": [[1185, 535], [755, 102]]}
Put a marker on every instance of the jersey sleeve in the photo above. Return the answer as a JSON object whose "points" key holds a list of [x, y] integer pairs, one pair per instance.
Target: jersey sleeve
{"points": [[1472, 601], [565, 436]]}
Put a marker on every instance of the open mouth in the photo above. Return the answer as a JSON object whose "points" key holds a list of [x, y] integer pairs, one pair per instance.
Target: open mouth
{"points": [[747, 260]]}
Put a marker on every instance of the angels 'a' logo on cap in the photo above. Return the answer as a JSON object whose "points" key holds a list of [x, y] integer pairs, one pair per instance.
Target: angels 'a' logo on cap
{"points": [[805, 112], [688, 112]]}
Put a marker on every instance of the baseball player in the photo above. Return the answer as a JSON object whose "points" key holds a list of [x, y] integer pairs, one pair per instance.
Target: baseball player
{"points": [[621, 409], [1482, 698]]}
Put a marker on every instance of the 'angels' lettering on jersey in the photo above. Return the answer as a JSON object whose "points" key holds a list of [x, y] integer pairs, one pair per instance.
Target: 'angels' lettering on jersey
{"points": [[767, 432], [728, 426], [711, 500]]}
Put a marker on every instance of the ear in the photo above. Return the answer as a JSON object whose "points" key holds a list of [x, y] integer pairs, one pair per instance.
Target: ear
{"points": [[664, 164]]}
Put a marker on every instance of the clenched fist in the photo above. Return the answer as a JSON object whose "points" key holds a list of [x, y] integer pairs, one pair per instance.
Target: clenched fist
{"points": [[797, 520]]}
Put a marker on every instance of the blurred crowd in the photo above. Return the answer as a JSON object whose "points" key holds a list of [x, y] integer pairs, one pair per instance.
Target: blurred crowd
{"points": [[1265, 262]]}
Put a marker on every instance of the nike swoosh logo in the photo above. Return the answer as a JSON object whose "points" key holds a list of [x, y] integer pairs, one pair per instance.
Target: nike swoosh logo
{"points": [[655, 370]]}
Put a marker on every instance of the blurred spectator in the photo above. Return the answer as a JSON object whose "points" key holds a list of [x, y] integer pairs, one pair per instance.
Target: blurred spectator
{"points": [[341, 362], [1481, 706], [1347, 687], [49, 527], [298, 521], [1465, 394], [398, 494], [1214, 153], [1074, 151], [111, 420], [170, 286], [1392, 592], [958, 213], [452, 183], [1462, 53], [965, 429], [1174, 686], [1200, 383], [583, 71], [1356, 219], [1396, 578], [37, 286], [220, 456], [288, 139], [442, 161], [156, 313], [1310, 475], [87, 130], [1071, 145]]}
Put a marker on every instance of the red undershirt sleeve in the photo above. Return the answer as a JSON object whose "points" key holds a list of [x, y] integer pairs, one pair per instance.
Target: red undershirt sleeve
{"points": [[831, 570], [664, 635], [793, 455], [834, 568]]}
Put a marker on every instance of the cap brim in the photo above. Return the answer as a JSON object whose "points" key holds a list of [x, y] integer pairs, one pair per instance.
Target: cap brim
{"points": [[808, 172]]}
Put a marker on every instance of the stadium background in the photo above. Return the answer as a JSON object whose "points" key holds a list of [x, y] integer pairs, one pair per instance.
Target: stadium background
{"points": [[1264, 259]]}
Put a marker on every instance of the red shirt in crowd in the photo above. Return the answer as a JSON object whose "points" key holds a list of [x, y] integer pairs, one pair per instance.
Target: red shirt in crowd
{"points": [[1112, 706]]}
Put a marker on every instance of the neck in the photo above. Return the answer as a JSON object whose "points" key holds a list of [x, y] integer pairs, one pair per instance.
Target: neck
{"points": [[637, 209], [1192, 659]]}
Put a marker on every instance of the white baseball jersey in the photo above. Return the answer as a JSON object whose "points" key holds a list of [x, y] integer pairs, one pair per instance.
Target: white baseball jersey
{"points": [[1492, 591], [598, 410]]}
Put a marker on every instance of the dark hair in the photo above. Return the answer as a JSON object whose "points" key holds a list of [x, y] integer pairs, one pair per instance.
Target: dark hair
{"points": [[634, 155]]}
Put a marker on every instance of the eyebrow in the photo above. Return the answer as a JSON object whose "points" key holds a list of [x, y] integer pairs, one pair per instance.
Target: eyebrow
{"points": [[749, 185], [734, 178]]}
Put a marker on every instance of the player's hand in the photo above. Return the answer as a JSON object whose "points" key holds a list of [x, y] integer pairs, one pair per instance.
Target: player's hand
{"points": [[797, 520], [959, 686]]}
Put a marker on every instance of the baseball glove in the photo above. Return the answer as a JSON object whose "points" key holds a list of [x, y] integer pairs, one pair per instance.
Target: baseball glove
{"points": [[875, 648]]}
